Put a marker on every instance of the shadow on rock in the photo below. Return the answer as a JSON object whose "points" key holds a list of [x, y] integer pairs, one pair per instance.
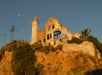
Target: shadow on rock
{"points": [[95, 72]]}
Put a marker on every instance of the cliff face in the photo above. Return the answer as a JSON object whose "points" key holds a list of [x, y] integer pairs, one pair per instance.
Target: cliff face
{"points": [[73, 59], [85, 47], [66, 63], [5, 64]]}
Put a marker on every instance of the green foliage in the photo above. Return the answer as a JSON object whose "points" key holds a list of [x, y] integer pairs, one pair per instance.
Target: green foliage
{"points": [[96, 42], [49, 48], [2, 51], [39, 69], [37, 46], [45, 49], [75, 40], [93, 39], [23, 57], [58, 47], [85, 33]]}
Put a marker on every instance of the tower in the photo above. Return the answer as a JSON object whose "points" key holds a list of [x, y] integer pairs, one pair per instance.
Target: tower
{"points": [[34, 30]]}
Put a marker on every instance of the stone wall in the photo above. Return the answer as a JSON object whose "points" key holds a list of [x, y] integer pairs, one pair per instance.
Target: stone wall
{"points": [[86, 47]]}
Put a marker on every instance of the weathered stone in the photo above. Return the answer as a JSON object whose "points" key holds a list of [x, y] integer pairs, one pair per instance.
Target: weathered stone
{"points": [[5, 64], [54, 33], [85, 47], [67, 63]]}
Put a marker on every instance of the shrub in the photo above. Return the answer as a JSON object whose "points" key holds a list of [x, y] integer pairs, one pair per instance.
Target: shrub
{"points": [[37, 46], [75, 40], [48, 48], [23, 57], [39, 68], [59, 47], [2, 51], [97, 44]]}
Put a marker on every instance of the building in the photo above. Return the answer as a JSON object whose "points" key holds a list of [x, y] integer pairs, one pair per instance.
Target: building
{"points": [[54, 33]]}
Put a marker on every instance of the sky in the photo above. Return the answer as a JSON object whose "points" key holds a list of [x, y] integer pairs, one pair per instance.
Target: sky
{"points": [[74, 14]]}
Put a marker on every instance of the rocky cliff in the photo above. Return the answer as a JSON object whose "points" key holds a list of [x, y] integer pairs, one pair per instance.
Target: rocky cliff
{"points": [[85, 47], [73, 59], [66, 63], [5, 64]]}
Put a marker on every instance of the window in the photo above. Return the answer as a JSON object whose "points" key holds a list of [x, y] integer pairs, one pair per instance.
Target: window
{"points": [[57, 34], [49, 36], [49, 27], [53, 26]]}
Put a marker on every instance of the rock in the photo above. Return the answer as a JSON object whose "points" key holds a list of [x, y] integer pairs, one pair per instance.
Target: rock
{"points": [[64, 63], [5, 64], [85, 47]]}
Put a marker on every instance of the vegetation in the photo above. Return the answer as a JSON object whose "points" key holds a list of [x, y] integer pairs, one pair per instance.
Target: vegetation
{"points": [[59, 47], [90, 38], [85, 33], [97, 44], [87, 37], [75, 40], [12, 30], [23, 57], [46, 49], [39, 69]]}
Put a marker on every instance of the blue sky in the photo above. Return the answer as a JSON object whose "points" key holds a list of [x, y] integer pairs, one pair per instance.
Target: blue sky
{"points": [[74, 14]]}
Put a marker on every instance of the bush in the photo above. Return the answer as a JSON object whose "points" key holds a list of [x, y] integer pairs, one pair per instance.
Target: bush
{"points": [[97, 44], [23, 57], [59, 47], [75, 40], [48, 48], [2, 51], [37, 46], [39, 68]]}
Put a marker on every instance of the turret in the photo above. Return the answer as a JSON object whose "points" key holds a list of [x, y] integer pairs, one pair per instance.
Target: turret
{"points": [[34, 30]]}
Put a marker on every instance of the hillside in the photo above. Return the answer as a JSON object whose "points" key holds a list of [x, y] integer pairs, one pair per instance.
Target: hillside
{"points": [[5, 64], [56, 63], [62, 63], [21, 58]]}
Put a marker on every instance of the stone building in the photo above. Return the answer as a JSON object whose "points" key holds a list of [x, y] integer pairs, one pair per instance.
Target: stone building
{"points": [[54, 33]]}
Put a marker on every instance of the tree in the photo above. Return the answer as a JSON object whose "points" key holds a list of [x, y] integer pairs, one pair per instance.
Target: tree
{"points": [[85, 33], [12, 30], [5, 38]]}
